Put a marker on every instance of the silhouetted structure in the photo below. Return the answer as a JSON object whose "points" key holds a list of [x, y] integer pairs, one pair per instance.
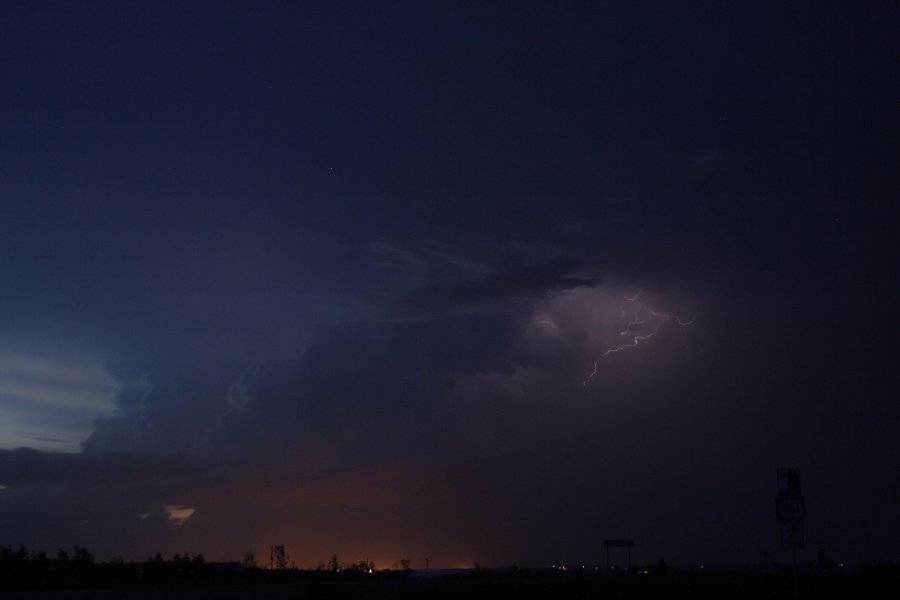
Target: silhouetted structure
{"points": [[618, 544]]}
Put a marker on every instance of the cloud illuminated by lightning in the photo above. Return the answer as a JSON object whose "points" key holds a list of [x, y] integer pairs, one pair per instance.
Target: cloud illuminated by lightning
{"points": [[641, 315]]}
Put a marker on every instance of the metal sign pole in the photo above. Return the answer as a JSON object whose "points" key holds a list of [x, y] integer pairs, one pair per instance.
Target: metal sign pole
{"points": [[790, 509], [796, 583]]}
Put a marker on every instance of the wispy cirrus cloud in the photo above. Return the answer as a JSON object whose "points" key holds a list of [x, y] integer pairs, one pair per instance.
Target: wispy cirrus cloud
{"points": [[59, 381], [49, 399]]}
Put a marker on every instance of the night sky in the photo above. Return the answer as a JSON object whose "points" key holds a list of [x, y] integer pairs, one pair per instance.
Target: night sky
{"points": [[350, 277]]}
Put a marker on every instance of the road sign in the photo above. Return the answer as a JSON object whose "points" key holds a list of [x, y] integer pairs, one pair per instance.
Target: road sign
{"points": [[790, 508], [792, 535], [788, 482]]}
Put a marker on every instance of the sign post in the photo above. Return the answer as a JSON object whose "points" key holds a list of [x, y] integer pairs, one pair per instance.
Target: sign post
{"points": [[790, 509]]}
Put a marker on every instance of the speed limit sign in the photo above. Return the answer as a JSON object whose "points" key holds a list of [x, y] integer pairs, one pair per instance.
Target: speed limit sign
{"points": [[790, 508]]}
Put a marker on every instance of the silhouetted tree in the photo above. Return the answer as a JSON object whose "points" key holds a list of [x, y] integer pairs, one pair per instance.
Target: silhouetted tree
{"points": [[405, 564], [281, 560], [155, 566], [333, 564], [81, 556], [14, 560], [181, 564], [249, 560], [363, 566], [195, 565]]}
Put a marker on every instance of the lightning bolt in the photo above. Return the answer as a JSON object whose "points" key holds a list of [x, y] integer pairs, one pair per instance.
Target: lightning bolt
{"points": [[640, 315]]}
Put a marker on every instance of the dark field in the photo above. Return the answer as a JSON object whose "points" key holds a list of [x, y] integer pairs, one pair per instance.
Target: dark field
{"points": [[491, 584]]}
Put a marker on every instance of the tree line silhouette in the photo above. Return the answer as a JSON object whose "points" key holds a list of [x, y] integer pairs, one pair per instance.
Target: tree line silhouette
{"points": [[76, 568], [24, 568]]}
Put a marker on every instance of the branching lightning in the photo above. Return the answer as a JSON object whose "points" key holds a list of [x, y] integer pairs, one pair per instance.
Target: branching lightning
{"points": [[640, 316]]}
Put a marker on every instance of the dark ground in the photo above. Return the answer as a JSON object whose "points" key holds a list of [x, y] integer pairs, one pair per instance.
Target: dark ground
{"points": [[851, 584]]}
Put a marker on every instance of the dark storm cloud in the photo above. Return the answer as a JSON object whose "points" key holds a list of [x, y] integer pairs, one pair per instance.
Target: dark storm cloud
{"points": [[383, 384], [385, 380], [507, 288], [25, 466], [368, 389], [158, 410]]}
